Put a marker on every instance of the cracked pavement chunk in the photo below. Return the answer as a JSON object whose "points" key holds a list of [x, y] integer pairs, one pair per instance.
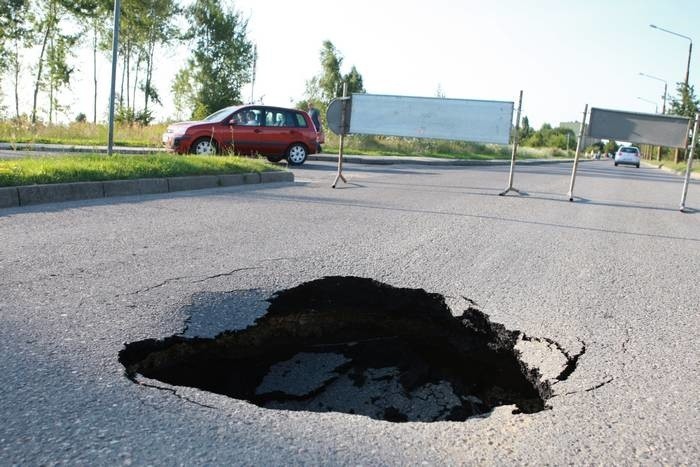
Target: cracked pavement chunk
{"points": [[542, 355], [302, 374], [357, 346]]}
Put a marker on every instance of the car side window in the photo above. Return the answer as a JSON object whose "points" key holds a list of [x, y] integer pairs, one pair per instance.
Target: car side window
{"points": [[284, 119], [300, 120], [248, 117]]}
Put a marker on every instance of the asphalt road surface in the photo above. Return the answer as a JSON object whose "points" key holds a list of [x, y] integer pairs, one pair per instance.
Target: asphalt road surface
{"points": [[615, 272]]}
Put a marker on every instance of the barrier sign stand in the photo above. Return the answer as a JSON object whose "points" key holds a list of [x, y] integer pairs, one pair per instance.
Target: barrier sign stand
{"points": [[689, 166], [343, 130], [578, 153], [515, 149]]}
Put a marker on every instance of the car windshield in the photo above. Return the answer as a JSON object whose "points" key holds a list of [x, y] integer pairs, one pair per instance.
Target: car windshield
{"points": [[220, 114]]}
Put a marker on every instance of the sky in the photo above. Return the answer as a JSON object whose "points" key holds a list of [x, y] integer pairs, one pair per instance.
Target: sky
{"points": [[562, 54]]}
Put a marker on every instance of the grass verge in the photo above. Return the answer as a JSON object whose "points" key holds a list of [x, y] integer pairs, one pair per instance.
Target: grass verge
{"points": [[680, 167], [417, 147], [81, 134], [84, 168]]}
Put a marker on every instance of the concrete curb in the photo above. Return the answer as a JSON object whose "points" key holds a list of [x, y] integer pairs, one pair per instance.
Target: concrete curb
{"points": [[38, 194]]}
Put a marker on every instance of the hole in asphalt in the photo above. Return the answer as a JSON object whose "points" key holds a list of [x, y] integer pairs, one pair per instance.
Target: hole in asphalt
{"points": [[357, 346]]}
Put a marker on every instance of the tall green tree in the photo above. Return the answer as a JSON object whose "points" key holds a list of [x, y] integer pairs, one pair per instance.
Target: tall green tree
{"points": [[330, 80], [12, 16], [354, 81], [95, 26], [14, 31], [221, 59], [160, 30], [46, 17], [184, 94], [525, 129], [58, 69], [329, 83], [146, 26], [684, 103]]}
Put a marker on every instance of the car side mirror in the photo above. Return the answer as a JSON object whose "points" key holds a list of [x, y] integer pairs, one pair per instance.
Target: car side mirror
{"points": [[233, 122]]}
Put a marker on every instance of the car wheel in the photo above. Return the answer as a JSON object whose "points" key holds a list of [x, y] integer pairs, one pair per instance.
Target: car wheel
{"points": [[615, 164], [204, 146], [296, 154], [637, 165], [274, 158]]}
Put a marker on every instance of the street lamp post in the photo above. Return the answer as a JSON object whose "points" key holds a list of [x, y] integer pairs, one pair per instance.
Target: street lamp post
{"points": [[663, 109], [115, 48], [656, 106], [645, 148], [690, 49], [687, 74]]}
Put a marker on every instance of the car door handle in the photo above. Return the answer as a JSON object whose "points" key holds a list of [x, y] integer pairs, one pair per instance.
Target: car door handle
{"points": [[257, 130]]}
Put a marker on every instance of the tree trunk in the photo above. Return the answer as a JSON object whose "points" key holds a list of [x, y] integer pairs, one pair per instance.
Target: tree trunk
{"points": [[149, 73], [52, 58], [121, 88], [94, 70], [16, 65], [136, 80], [38, 74], [50, 102], [127, 65]]}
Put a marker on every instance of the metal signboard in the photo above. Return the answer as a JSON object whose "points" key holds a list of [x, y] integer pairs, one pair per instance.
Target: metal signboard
{"points": [[427, 117], [334, 115], [639, 128]]}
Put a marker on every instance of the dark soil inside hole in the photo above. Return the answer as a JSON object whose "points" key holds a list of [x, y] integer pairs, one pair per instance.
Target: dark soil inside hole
{"points": [[354, 345]]}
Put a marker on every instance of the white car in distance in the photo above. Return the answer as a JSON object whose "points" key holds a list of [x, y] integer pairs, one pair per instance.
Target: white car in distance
{"points": [[627, 155]]}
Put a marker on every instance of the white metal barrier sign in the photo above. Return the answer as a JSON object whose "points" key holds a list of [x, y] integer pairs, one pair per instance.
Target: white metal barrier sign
{"points": [[428, 117], [639, 128]]}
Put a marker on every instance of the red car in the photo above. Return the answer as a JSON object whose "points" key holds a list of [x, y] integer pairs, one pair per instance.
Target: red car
{"points": [[274, 132]]}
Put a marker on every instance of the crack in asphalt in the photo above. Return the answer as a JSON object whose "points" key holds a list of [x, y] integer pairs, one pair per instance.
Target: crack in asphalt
{"points": [[608, 380], [600, 385], [628, 339], [175, 279], [171, 391]]}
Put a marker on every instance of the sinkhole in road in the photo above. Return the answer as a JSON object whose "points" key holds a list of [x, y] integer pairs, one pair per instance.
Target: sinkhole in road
{"points": [[357, 346]]}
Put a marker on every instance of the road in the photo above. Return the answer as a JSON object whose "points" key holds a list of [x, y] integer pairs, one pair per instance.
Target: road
{"points": [[612, 277]]}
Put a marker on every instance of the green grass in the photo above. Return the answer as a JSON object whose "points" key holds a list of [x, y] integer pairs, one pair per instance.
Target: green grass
{"points": [[29, 171], [85, 134], [680, 167]]}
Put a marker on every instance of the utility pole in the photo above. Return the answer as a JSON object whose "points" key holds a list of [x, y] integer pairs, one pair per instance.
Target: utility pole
{"points": [[687, 73], [252, 83], [663, 108], [115, 47]]}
